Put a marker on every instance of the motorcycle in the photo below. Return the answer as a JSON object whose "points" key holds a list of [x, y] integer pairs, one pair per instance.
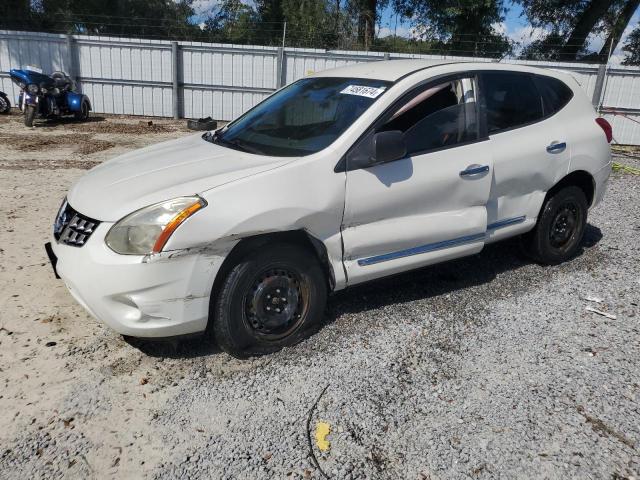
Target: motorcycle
{"points": [[48, 96], [5, 105]]}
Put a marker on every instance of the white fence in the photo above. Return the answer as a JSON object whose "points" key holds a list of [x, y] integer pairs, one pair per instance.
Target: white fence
{"points": [[193, 79]]}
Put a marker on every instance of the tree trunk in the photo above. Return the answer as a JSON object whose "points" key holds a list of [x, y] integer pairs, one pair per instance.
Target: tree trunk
{"points": [[594, 11], [618, 27], [367, 22]]}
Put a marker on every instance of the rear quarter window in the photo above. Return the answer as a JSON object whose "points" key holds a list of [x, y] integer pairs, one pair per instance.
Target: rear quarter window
{"points": [[511, 100], [555, 93]]}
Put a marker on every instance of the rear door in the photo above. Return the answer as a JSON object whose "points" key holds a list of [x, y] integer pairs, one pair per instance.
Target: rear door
{"points": [[431, 205], [530, 150]]}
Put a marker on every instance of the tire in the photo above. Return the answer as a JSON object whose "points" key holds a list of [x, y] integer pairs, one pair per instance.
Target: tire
{"points": [[29, 115], [5, 105], [83, 114], [244, 321], [560, 228]]}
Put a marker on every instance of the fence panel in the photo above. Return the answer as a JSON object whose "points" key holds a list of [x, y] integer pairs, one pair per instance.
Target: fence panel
{"points": [[135, 76]]}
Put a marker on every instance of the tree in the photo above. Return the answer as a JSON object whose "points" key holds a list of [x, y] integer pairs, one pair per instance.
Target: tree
{"points": [[466, 28], [367, 11], [15, 14], [570, 24], [147, 18], [592, 13], [233, 22], [619, 23], [632, 48]]}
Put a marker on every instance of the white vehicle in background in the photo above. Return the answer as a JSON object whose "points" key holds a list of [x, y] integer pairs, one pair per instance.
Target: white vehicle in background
{"points": [[346, 176]]}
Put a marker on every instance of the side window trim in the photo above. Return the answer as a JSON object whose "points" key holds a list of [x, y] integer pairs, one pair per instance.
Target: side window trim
{"points": [[416, 90]]}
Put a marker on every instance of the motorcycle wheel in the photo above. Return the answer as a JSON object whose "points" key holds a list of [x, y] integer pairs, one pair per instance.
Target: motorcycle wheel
{"points": [[5, 106], [29, 115], [83, 114]]}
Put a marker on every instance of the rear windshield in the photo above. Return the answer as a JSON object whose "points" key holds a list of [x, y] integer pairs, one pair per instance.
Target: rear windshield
{"points": [[302, 118]]}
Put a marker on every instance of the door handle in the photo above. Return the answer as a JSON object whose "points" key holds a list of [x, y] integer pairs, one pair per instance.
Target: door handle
{"points": [[474, 170], [556, 147]]}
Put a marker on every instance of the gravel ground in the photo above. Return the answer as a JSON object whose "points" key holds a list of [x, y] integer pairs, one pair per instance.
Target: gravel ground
{"points": [[486, 367]]}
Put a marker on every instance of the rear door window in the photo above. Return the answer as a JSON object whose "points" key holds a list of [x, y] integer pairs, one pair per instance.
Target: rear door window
{"points": [[511, 100], [555, 94]]}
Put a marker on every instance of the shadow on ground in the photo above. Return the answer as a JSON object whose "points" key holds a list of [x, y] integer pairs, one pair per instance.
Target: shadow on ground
{"points": [[420, 284], [55, 122]]}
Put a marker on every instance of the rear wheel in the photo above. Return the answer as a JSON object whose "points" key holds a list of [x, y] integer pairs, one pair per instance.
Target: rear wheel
{"points": [[83, 114], [560, 228], [29, 115], [270, 299]]}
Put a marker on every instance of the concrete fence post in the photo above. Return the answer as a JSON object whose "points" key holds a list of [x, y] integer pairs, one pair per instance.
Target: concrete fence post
{"points": [[175, 78], [387, 56], [281, 68], [599, 87]]}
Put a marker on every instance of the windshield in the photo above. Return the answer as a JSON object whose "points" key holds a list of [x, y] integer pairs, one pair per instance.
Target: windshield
{"points": [[302, 118]]}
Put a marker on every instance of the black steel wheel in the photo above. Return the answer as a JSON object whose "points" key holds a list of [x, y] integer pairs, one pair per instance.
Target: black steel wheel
{"points": [[272, 298], [560, 228], [276, 303]]}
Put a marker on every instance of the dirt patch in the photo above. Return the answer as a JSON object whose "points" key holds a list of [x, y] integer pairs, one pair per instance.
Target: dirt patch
{"points": [[143, 127], [35, 164], [82, 143], [94, 146], [35, 142]]}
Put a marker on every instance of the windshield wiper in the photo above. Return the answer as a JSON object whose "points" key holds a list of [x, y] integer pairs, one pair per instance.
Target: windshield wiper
{"points": [[235, 144]]}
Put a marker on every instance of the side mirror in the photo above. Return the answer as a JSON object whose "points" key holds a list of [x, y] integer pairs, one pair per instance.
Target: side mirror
{"points": [[381, 147], [389, 146]]}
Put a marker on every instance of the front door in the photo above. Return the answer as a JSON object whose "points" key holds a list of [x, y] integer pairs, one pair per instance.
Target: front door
{"points": [[431, 205]]}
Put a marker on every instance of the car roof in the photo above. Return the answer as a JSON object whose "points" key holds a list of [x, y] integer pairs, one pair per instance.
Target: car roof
{"points": [[394, 70], [389, 70]]}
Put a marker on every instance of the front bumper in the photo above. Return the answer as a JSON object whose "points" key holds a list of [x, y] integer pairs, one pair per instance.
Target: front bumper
{"points": [[160, 296]]}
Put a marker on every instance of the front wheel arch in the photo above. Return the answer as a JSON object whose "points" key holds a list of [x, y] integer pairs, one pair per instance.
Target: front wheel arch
{"points": [[249, 244]]}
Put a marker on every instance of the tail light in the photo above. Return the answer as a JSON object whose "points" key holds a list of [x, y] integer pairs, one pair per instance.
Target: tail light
{"points": [[606, 127]]}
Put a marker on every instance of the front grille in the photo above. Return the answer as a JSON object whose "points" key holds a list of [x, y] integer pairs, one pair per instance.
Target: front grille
{"points": [[73, 228]]}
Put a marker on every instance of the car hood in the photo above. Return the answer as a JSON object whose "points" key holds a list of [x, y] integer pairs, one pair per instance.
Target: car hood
{"points": [[182, 167]]}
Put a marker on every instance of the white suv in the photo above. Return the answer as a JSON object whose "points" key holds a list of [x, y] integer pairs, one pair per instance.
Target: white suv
{"points": [[339, 178]]}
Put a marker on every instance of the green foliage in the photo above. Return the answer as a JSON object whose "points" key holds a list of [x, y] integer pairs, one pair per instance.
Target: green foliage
{"points": [[149, 18], [571, 22], [465, 27], [632, 48]]}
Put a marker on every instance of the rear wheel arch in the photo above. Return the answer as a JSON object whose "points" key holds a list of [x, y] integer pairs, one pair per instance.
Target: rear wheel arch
{"points": [[578, 178], [250, 244]]}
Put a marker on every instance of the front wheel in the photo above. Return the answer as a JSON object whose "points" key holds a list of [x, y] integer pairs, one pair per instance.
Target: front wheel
{"points": [[5, 105], [83, 114], [29, 115], [560, 227], [272, 298]]}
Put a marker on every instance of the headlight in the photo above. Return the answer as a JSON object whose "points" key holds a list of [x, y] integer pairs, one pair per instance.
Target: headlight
{"points": [[32, 88], [147, 230]]}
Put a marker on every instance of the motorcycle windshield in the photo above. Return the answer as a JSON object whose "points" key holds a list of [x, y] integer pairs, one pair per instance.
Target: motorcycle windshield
{"points": [[28, 76]]}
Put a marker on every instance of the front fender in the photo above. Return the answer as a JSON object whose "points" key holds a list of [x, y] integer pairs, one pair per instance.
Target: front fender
{"points": [[74, 101]]}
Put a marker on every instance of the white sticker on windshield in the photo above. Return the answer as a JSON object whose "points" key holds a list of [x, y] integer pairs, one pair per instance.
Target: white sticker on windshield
{"points": [[369, 92]]}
